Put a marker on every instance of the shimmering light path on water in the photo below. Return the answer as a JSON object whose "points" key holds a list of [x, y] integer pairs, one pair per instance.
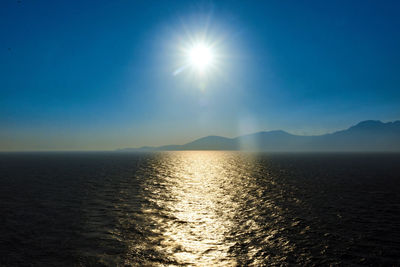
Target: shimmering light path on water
{"points": [[199, 208], [190, 207]]}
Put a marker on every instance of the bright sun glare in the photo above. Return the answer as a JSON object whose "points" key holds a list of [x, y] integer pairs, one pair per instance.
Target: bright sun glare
{"points": [[201, 57]]}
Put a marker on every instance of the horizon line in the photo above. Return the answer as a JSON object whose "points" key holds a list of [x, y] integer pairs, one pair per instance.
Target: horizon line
{"points": [[118, 149]]}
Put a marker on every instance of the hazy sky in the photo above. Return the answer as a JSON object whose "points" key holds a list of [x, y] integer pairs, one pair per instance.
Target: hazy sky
{"points": [[100, 74]]}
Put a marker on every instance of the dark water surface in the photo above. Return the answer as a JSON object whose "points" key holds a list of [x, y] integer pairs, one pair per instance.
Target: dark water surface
{"points": [[199, 208]]}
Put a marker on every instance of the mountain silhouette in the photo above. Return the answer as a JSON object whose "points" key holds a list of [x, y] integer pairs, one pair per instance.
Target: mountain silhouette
{"points": [[365, 136]]}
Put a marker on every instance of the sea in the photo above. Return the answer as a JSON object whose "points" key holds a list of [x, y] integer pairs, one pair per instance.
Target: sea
{"points": [[199, 208]]}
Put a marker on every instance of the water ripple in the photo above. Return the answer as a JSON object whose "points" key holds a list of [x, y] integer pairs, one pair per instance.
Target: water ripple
{"points": [[199, 208]]}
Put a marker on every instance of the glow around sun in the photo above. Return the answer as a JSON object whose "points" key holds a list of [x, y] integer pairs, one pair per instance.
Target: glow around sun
{"points": [[199, 53], [200, 57]]}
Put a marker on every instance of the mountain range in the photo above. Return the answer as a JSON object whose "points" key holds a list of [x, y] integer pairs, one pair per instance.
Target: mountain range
{"points": [[366, 136]]}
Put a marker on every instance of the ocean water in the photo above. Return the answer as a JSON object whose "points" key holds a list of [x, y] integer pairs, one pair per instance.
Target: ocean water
{"points": [[199, 208]]}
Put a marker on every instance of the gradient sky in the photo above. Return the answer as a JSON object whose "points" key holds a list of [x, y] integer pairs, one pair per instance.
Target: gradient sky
{"points": [[96, 75]]}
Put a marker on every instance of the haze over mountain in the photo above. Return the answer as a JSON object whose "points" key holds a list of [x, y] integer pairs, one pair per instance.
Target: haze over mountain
{"points": [[365, 136]]}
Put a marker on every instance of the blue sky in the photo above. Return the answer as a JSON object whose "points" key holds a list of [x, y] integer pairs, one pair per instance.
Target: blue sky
{"points": [[99, 75]]}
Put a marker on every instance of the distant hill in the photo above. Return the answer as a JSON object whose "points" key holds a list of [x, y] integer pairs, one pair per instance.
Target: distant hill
{"points": [[365, 136]]}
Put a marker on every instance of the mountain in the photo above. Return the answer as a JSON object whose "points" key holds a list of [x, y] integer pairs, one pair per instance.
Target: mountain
{"points": [[365, 136]]}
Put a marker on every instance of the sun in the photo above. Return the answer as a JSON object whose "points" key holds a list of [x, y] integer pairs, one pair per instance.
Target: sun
{"points": [[200, 57]]}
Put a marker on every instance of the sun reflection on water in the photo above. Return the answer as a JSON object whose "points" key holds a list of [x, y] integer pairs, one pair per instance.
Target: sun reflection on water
{"points": [[206, 208], [197, 235]]}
